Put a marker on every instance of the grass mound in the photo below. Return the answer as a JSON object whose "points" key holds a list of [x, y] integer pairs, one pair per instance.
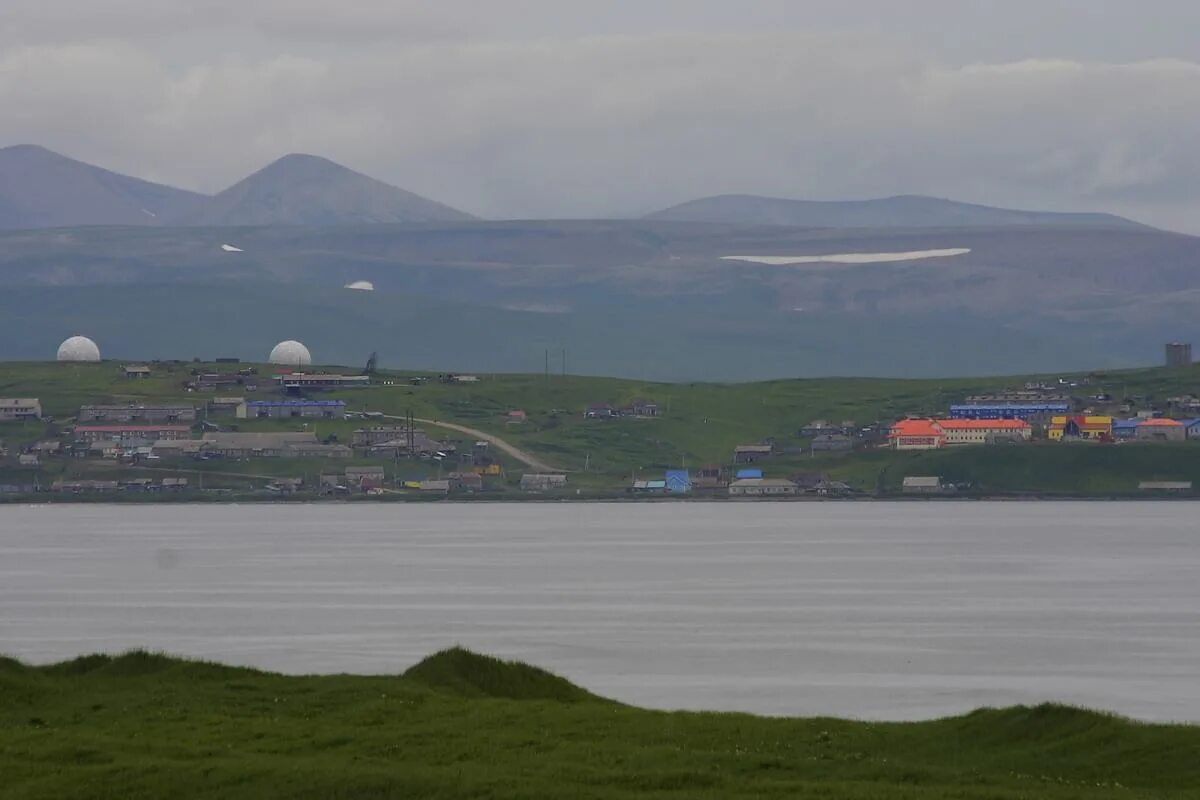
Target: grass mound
{"points": [[462, 672], [459, 724]]}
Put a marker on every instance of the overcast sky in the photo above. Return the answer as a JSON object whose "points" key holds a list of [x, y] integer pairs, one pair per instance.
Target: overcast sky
{"points": [[536, 108]]}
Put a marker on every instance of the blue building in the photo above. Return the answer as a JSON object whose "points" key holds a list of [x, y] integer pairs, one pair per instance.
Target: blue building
{"points": [[1125, 428], [679, 481], [325, 409], [1025, 411]]}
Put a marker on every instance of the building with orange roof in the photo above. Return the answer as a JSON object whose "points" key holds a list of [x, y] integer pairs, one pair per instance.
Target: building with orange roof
{"points": [[917, 434], [1161, 430], [984, 431]]}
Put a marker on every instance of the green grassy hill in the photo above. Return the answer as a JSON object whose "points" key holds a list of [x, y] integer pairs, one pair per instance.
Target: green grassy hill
{"points": [[462, 725], [700, 423]]}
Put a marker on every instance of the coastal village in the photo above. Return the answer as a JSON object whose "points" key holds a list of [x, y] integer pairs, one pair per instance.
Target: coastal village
{"points": [[257, 423]]}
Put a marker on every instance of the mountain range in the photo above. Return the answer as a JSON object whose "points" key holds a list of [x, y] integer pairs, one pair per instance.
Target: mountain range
{"points": [[42, 189], [904, 211]]}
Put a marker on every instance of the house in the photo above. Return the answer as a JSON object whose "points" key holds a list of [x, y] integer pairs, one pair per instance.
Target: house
{"points": [[285, 485], [1161, 430], [174, 484], [108, 414], [256, 445], [397, 442], [261, 409], [28, 460], [984, 431], [832, 443], [806, 480], [516, 417], [1165, 486], [599, 411], [678, 481], [465, 481], [643, 408], [47, 447], [710, 476], [1125, 429], [19, 408], [916, 484], [1080, 427], [463, 379], [225, 406], [212, 381], [365, 477], [137, 371], [542, 481], [747, 474], [293, 382], [649, 487], [917, 434], [762, 487], [176, 448], [435, 487], [750, 453], [831, 489], [98, 433], [317, 450]]}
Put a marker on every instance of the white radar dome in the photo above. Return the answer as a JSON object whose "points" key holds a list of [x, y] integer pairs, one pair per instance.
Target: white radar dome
{"points": [[78, 348], [290, 354]]}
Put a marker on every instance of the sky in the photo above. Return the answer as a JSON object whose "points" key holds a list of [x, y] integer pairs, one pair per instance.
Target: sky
{"points": [[561, 108]]}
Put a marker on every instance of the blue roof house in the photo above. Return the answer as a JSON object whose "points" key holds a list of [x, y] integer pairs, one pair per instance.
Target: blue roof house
{"points": [[679, 481]]}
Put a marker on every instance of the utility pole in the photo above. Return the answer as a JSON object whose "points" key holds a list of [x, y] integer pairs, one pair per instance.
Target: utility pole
{"points": [[564, 362], [547, 366]]}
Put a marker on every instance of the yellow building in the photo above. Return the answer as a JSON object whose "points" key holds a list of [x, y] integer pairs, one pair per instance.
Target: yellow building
{"points": [[1079, 427]]}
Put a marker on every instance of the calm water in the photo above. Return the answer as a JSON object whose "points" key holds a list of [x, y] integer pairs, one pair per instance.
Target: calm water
{"points": [[870, 610]]}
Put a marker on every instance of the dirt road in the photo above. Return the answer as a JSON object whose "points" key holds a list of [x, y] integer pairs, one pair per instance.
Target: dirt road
{"points": [[528, 459]]}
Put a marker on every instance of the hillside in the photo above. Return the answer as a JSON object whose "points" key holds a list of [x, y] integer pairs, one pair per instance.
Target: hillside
{"points": [[654, 300], [699, 424], [308, 190], [904, 211], [42, 189], [143, 726]]}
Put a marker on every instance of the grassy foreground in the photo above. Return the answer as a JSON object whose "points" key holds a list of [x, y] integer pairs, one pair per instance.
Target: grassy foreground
{"points": [[462, 725]]}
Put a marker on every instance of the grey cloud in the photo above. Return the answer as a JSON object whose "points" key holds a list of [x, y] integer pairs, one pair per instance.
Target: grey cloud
{"points": [[578, 126]]}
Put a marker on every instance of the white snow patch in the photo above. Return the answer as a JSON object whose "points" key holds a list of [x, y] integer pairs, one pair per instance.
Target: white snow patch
{"points": [[851, 258], [362, 286], [228, 248]]}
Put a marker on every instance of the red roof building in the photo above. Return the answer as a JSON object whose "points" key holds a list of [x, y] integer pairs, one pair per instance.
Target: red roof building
{"points": [[917, 434]]}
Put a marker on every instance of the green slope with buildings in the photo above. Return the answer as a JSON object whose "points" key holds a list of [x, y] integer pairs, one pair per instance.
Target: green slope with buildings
{"points": [[697, 424]]}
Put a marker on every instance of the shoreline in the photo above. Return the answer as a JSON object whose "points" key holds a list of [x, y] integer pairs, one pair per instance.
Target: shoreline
{"points": [[310, 499]]}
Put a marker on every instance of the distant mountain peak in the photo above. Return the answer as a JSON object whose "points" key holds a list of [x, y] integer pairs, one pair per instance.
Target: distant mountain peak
{"points": [[40, 188], [304, 189], [897, 211]]}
